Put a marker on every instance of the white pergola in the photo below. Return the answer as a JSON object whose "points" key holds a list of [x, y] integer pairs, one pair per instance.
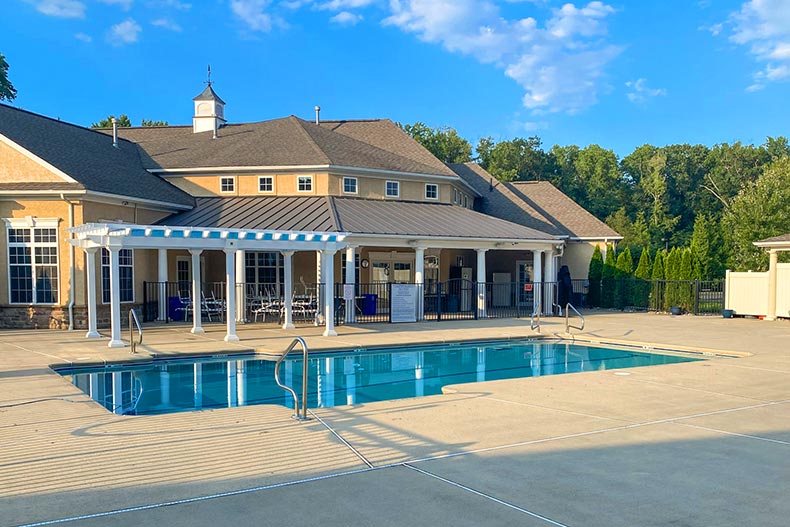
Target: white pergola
{"points": [[774, 246], [113, 236]]}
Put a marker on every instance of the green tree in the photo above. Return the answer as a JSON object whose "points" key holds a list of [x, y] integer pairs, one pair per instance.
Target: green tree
{"points": [[601, 186], [123, 122], [641, 291], [777, 147], [658, 277], [707, 248], [623, 273], [594, 277], [7, 90], [672, 273], [149, 122], [563, 170], [443, 142], [759, 211], [635, 233], [517, 160], [608, 275], [686, 273]]}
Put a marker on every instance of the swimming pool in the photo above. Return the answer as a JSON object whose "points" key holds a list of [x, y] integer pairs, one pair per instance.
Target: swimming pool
{"points": [[340, 378]]}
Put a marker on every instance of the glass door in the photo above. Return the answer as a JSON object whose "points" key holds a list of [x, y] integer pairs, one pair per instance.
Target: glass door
{"points": [[524, 284]]}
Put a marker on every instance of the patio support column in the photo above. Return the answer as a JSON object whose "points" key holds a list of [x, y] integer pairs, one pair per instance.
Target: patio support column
{"points": [[230, 295], [115, 298], [419, 280], [328, 272], [241, 293], [90, 259], [288, 323], [481, 282], [537, 271], [197, 327], [773, 259], [319, 275], [162, 279], [350, 279], [550, 279]]}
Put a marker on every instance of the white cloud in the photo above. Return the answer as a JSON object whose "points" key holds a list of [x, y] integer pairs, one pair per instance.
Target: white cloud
{"points": [[640, 91], [123, 4], [126, 32], [293, 4], [61, 8], [83, 37], [346, 18], [337, 5], [165, 23], [560, 66], [764, 26], [253, 14], [713, 29]]}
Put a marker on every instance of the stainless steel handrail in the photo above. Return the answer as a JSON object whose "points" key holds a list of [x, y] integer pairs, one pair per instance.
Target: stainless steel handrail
{"points": [[289, 349], [535, 315], [568, 325], [133, 319]]}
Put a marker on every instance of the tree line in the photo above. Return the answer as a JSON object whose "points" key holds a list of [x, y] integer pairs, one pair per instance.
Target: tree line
{"points": [[714, 201]]}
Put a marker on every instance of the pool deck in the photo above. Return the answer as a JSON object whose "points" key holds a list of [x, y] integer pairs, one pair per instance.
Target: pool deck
{"points": [[695, 444]]}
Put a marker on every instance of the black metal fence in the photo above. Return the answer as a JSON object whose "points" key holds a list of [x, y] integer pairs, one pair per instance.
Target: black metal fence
{"points": [[700, 297]]}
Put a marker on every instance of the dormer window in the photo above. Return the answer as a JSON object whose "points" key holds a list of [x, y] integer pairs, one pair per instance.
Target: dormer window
{"points": [[227, 184], [392, 189], [431, 191], [304, 183]]}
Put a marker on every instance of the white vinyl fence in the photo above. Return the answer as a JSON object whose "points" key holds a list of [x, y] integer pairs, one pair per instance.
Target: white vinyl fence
{"points": [[747, 293]]}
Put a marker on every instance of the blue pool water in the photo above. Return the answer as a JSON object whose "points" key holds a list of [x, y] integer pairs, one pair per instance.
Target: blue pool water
{"points": [[340, 378]]}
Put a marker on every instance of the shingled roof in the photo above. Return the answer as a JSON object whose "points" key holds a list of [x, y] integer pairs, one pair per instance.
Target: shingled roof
{"points": [[351, 215], [535, 204], [290, 141], [86, 156]]}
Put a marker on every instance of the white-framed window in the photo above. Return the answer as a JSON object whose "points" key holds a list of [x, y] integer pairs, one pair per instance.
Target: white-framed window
{"points": [[431, 191], [227, 184], [455, 195], [33, 261], [392, 189], [349, 185], [466, 201], [304, 183], [125, 275], [266, 184]]}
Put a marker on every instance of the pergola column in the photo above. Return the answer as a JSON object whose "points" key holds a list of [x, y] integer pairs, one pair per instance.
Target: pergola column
{"points": [[241, 293], [115, 298], [773, 259], [90, 265], [537, 271], [350, 279], [328, 272], [319, 275], [162, 279], [288, 323], [481, 283], [419, 280], [230, 295], [197, 327], [550, 280]]}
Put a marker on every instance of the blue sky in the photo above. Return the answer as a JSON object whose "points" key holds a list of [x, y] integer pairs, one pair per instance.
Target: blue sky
{"points": [[619, 74]]}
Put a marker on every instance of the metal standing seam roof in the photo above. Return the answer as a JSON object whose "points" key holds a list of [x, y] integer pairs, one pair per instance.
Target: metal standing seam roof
{"points": [[536, 204], [88, 157], [351, 215]]}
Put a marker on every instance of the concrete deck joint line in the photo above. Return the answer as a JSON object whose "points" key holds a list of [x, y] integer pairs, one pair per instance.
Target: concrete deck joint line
{"points": [[342, 440], [486, 496]]}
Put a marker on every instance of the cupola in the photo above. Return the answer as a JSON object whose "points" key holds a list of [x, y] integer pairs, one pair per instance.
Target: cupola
{"points": [[209, 111]]}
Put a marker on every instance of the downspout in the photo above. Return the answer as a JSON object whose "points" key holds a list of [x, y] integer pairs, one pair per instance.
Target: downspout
{"points": [[71, 263]]}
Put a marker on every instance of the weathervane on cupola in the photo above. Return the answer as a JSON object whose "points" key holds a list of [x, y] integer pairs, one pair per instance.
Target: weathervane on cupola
{"points": [[209, 109]]}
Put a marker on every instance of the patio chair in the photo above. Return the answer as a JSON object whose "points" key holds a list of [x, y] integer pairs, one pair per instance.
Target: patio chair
{"points": [[212, 306], [186, 305]]}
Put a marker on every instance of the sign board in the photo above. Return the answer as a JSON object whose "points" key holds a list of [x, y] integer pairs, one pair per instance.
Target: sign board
{"points": [[403, 303], [528, 287], [348, 292]]}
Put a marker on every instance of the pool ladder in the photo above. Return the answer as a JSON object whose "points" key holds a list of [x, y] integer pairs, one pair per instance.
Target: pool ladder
{"points": [[134, 321], [297, 415], [568, 325]]}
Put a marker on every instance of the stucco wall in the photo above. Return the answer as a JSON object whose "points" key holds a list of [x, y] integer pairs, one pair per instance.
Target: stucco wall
{"points": [[16, 167]]}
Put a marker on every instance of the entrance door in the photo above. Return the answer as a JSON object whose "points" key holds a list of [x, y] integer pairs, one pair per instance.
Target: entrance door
{"points": [[524, 284]]}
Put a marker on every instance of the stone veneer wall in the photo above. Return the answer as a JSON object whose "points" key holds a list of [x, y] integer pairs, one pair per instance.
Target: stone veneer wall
{"points": [[57, 317]]}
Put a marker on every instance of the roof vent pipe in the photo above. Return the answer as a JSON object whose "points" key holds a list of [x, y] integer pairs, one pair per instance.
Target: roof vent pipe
{"points": [[317, 114], [114, 132], [215, 129]]}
